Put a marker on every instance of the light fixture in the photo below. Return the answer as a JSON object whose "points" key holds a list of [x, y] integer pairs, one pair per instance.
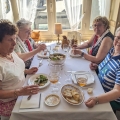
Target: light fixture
{"points": [[58, 30]]}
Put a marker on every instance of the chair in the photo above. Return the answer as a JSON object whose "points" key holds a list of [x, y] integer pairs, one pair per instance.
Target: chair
{"points": [[35, 35], [74, 35]]}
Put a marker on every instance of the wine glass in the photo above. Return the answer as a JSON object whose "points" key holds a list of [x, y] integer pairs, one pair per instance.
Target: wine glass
{"points": [[66, 49], [54, 78], [67, 73]]}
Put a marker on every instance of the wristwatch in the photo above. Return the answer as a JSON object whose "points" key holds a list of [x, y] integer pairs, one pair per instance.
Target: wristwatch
{"points": [[82, 54]]}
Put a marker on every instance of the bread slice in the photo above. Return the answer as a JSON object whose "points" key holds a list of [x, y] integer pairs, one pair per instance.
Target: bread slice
{"points": [[71, 100]]}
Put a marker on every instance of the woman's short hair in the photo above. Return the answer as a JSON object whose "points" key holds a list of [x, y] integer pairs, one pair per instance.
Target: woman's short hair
{"points": [[117, 30], [7, 28], [22, 23], [102, 19]]}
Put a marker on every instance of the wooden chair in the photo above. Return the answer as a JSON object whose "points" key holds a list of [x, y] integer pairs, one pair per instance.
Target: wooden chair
{"points": [[35, 35]]}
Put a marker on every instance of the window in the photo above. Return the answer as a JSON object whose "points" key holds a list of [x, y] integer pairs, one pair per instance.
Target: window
{"points": [[95, 11], [41, 21]]}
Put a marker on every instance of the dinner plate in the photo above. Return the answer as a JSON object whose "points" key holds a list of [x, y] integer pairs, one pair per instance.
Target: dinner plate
{"points": [[89, 75], [41, 54], [72, 55], [72, 87], [52, 100], [33, 78]]}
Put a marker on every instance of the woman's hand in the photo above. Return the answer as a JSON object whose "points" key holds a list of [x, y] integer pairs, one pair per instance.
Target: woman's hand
{"points": [[93, 66], [29, 90], [31, 70], [75, 47], [41, 47], [90, 102], [76, 51]]}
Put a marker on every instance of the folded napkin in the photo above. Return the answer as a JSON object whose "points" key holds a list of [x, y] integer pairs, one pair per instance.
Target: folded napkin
{"points": [[88, 74], [34, 102]]}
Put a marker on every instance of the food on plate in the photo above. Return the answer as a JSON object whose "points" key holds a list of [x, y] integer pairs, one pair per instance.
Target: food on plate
{"points": [[55, 57], [67, 93], [41, 80], [90, 90], [71, 95], [75, 95]]}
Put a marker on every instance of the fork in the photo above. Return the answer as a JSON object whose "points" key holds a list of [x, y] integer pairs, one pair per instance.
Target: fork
{"points": [[29, 97], [40, 63]]}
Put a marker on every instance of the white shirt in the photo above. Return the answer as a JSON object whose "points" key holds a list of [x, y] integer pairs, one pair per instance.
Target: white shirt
{"points": [[11, 74]]}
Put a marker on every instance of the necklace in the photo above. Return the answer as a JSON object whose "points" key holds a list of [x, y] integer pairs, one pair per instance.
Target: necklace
{"points": [[8, 57]]}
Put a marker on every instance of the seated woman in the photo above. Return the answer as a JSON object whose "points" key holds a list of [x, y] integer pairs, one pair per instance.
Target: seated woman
{"points": [[101, 42], [23, 44], [12, 69], [109, 76]]}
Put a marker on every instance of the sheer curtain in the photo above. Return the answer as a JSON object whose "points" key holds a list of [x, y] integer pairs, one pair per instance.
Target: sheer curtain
{"points": [[28, 9], [104, 7], [73, 10]]}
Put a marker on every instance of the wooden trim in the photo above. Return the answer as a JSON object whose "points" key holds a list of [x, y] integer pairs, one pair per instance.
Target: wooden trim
{"points": [[112, 23]]}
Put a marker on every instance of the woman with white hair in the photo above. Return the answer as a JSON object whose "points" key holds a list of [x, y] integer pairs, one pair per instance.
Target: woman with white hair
{"points": [[109, 76], [23, 45]]}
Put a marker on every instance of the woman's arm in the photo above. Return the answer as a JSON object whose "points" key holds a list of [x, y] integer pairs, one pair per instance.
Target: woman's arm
{"points": [[27, 56], [105, 46], [106, 97], [27, 90]]}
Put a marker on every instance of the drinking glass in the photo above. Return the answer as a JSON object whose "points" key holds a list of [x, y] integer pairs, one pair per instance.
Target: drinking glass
{"points": [[81, 79], [66, 49], [54, 78], [67, 73]]}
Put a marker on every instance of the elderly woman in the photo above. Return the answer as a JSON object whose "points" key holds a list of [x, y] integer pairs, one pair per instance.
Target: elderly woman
{"points": [[109, 75], [100, 43], [12, 69], [24, 43]]}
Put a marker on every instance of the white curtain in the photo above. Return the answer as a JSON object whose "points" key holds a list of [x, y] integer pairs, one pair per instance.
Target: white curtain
{"points": [[28, 11], [73, 10], [104, 7]]}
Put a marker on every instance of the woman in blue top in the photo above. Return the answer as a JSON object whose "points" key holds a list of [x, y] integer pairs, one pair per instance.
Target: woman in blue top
{"points": [[109, 75]]}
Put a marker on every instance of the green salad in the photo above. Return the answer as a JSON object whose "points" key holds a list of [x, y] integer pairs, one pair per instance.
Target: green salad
{"points": [[41, 80], [55, 57]]}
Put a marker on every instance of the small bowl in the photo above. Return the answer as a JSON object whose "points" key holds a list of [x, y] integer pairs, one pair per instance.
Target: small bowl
{"points": [[52, 100]]}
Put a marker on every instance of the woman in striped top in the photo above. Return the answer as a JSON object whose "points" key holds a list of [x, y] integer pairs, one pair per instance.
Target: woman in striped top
{"points": [[109, 75]]}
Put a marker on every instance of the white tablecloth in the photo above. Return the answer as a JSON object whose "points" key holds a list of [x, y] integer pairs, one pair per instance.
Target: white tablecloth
{"points": [[65, 111]]}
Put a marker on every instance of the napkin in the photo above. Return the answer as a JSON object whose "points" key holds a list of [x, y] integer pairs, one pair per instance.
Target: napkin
{"points": [[34, 102]]}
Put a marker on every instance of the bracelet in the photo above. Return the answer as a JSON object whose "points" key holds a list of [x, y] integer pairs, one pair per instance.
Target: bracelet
{"points": [[16, 93], [96, 99], [82, 54]]}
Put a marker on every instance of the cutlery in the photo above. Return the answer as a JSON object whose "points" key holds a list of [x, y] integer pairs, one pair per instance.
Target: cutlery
{"points": [[29, 97], [40, 63], [79, 72]]}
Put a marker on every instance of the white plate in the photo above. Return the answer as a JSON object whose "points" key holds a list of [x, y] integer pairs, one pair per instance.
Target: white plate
{"points": [[41, 54], [70, 86], [89, 76], [52, 100], [72, 55], [33, 78]]}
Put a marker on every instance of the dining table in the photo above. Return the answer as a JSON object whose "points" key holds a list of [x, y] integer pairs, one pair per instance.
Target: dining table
{"points": [[64, 110]]}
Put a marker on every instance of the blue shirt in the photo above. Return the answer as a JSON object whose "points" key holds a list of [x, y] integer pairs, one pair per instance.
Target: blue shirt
{"points": [[109, 72]]}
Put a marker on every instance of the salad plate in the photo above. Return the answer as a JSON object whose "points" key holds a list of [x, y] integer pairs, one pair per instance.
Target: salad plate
{"points": [[39, 79]]}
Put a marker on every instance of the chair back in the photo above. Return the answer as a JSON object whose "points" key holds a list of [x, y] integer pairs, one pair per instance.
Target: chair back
{"points": [[35, 35]]}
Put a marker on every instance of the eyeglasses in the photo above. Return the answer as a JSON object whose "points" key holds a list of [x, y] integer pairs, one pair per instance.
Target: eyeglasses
{"points": [[97, 25]]}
